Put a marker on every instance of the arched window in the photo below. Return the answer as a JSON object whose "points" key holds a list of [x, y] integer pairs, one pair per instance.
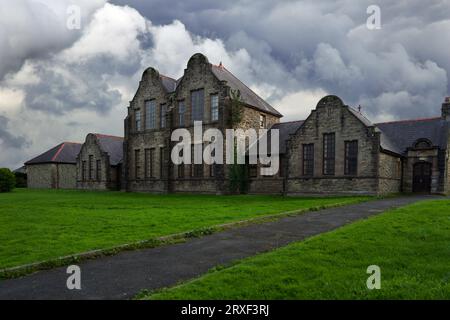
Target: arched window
{"points": [[422, 144]]}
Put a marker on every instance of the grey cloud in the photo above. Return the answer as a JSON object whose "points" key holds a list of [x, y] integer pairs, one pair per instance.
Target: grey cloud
{"points": [[59, 94], [35, 30], [9, 140], [299, 45]]}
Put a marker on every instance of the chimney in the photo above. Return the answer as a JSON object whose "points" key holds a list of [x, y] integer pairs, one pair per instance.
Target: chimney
{"points": [[445, 111]]}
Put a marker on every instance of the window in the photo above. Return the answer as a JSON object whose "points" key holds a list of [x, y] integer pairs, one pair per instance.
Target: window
{"points": [[99, 170], [196, 169], [149, 160], [328, 153], [197, 104], [162, 157], [181, 171], [83, 170], [281, 168], [308, 159], [91, 167], [137, 115], [137, 164], [214, 107], [253, 171], [181, 113], [162, 116], [212, 169], [150, 114], [262, 121], [181, 166], [351, 157]]}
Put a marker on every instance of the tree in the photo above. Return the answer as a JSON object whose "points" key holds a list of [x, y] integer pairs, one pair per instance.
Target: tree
{"points": [[7, 180]]}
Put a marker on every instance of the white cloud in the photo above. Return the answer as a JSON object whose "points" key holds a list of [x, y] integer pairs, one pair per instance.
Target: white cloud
{"points": [[298, 105]]}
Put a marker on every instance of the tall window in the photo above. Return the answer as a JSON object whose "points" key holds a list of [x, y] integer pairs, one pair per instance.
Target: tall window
{"points": [[253, 171], [197, 104], [150, 114], [308, 159], [196, 169], [98, 168], [181, 167], [137, 164], [214, 107], [351, 157], [91, 167], [162, 157], [181, 113], [328, 153], [83, 170], [137, 116], [162, 116], [262, 121], [149, 160]]}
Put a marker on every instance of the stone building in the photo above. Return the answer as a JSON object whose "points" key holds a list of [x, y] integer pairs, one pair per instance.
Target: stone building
{"points": [[335, 150], [55, 168], [162, 104], [99, 162]]}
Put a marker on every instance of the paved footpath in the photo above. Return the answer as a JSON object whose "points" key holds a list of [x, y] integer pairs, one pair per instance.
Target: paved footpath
{"points": [[124, 275]]}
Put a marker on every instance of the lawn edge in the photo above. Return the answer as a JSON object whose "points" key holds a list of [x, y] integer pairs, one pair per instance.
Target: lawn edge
{"points": [[146, 294], [23, 270]]}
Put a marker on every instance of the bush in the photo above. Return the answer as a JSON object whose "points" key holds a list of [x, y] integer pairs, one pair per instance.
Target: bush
{"points": [[7, 180]]}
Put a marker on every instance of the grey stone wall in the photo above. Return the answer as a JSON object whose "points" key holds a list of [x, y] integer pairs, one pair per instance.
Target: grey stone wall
{"points": [[332, 116], [41, 176], [51, 176], [389, 171]]}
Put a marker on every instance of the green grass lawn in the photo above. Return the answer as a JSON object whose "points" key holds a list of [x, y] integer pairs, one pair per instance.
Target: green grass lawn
{"points": [[411, 245], [37, 225]]}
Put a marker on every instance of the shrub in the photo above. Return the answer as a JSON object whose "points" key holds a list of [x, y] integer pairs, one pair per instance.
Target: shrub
{"points": [[7, 180]]}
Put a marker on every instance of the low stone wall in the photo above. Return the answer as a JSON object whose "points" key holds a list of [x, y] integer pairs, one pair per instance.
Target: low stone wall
{"points": [[345, 185]]}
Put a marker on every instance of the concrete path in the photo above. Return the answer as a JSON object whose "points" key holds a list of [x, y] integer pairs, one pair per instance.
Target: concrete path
{"points": [[124, 275]]}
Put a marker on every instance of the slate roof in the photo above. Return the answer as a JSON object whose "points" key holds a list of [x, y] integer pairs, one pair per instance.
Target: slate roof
{"points": [[248, 95], [169, 83], [65, 152], [404, 134], [22, 169], [386, 141], [285, 130], [113, 146]]}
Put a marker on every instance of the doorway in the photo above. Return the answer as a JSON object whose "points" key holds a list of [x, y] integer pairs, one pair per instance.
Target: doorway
{"points": [[422, 177]]}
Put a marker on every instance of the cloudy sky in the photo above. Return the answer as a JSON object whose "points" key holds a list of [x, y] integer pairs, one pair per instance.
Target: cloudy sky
{"points": [[59, 83]]}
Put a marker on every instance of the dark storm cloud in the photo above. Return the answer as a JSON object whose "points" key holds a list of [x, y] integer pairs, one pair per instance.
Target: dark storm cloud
{"points": [[59, 93], [298, 45]]}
